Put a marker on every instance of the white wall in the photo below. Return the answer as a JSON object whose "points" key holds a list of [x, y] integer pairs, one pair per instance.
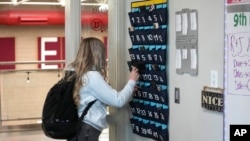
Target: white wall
{"points": [[188, 120]]}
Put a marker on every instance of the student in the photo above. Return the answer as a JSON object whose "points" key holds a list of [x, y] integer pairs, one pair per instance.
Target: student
{"points": [[91, 74]]}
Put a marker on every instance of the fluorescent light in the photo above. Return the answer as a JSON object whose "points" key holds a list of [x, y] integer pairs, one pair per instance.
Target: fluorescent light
{"points": [[14, 1], [93, 4], [20, 2], [50, 3], [103, 7]]}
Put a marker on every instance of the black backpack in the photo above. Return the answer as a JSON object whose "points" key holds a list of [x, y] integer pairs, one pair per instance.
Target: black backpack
{"points": [[60, 116]]}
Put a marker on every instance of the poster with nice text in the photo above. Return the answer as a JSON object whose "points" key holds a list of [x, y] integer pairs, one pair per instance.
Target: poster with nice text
{"points": [[238, 48]]}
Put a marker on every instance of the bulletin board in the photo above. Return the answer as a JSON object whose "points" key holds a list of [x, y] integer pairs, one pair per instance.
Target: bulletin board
{"points": [[186, 22], [148, 34]]}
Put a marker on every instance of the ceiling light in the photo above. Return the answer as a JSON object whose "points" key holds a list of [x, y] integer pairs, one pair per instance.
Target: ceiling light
{"points": [[103, 7], [14, 2], [19, 2], [62, 2], [26, 2]]}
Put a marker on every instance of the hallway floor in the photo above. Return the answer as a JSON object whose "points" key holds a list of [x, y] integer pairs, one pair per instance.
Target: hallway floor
{"points": [[38, 135]]}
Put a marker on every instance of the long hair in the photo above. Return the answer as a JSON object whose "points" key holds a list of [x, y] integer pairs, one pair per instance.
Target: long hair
{"points": [[90, 56]]}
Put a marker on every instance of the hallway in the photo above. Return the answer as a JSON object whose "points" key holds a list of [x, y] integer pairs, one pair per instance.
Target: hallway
{"points": [[38, 135]]}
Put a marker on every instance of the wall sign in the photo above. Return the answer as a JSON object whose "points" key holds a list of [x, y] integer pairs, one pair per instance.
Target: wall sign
{"points": [[212, 99], [53, 48], [49, 49], [97, 25], [7, 53]]}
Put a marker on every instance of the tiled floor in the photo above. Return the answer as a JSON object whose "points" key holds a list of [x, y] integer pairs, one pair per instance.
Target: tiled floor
{"points": [[38, 135]]}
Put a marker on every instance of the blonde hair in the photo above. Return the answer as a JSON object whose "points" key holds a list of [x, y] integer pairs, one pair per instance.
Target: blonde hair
{"points": [[90, 56]]}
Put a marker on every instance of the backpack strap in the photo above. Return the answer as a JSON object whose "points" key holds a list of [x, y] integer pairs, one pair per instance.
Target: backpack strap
{"points": [[86, 110], [83, 114]]}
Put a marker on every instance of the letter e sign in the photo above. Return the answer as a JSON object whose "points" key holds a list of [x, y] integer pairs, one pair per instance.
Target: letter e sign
{"points": [[51, 49]]}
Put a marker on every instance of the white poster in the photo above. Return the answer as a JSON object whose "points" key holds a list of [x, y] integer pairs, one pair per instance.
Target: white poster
{"points": [[237, 68], [238, 53]]}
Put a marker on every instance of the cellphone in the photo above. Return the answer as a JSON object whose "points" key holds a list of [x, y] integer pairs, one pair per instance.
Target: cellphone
{"points": [[139, 66]]}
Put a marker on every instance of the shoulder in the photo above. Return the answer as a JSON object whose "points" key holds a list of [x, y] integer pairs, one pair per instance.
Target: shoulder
{"points": [[94, 75], [93, 78]]}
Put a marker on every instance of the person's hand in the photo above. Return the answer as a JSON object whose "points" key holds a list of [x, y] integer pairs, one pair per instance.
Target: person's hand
{"points": [[134, 74]]}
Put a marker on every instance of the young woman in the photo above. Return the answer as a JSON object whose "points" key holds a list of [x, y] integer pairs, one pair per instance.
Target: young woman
{"points": [[90, 67]]}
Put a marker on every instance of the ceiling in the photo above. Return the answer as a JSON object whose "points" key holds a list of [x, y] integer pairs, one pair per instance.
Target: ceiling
{"points": [[48, 4]]}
